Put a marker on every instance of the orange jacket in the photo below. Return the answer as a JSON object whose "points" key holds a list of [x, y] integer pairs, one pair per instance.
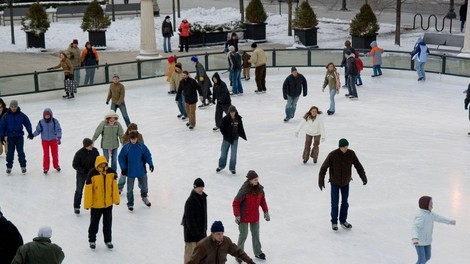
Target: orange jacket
{"points": [[184, 28]]}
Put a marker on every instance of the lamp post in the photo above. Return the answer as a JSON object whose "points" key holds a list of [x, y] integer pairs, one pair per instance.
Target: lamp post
{"points": [[451, 12]]}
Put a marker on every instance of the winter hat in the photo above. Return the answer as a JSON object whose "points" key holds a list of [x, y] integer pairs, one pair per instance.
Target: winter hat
{"points": [[373, 44], [254, 45], [293, 69], [424, 202], [171, 59], [232, 108], [47, 111], [167, 17], [252, 175], [231, 48], [194, 59], [116, 75], [217, 226], [45, 231], [178, 65], [14, 103], [198, 183], [343, 143], [75, 41], [87, 142], [110, 114]]}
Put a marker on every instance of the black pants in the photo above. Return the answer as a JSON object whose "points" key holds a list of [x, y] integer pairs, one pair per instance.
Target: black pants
{"points": [[95, 217], [219, 110], [81, 178], [184, 41]]}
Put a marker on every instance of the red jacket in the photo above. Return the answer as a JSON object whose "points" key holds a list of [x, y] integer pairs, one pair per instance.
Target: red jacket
{"points": [[247, 205], [359, 65], [184, 28]]}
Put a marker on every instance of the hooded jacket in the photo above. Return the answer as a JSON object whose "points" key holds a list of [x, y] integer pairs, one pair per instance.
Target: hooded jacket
{"points": [[230, 128], [12, 124], [40, 250], [209, 251], [10, 240], [351, 65], [49, 129], [133, 158], [201, 72], [110, 135], [184, 28], [101, 190], [195, 217], [423, 226], [339, 165], [376, 53], [421, 51], [221, 94]]}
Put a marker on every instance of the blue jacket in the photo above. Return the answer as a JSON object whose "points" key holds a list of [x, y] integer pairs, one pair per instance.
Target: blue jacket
{"points": [[421, 51], [424, 224], [133, 158], [49, 129], [12, 124]]}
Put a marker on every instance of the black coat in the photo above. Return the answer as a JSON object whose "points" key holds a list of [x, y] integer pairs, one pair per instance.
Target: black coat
{"points": [[10, 240], [167, 29], [353, 51], [463, 12], [235, 61], [228, 130], [232, 42], [84, 161], [221, 94], [190, 90], [195, 217], [294, 86]]}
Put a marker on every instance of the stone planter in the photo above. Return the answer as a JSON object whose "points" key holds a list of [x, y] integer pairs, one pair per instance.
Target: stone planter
{"points": [[35, 41], [255, 31], [307, 36], [196, 40], [359, 42], [97, 39], [215, 38]]}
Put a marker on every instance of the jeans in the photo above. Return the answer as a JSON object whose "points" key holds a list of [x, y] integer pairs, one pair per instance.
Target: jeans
{"points": [[90, 75], [254, 228], [236, 82], [332, 100], [143, 185], [167, 44], [123, 109], [358, 79], [113, 158], [352, 85], [424, 254], [462, 25], [81, 178], [121, 182], [377, 69], [181, 107], [76, 75], [95, 216], [54, 149], [345, 76], [233, 154], [18, 144], [420, 70], [291, 106], [343, 212]]}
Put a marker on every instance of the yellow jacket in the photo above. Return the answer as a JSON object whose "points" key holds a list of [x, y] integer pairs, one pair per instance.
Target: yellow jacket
{"points": [[171, 70], [101, 190]]}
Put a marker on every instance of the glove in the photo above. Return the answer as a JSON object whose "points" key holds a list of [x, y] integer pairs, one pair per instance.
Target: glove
{"points": [[49, 69], [237, 220], [201, 79], [107, 102], [2, 140], [323, 140], [266, 216], [151, 168], [30, 136], [59, 141], [415, 241], [124, 172], [364, 182], [296, 134], [322, 186], [452, 222]]}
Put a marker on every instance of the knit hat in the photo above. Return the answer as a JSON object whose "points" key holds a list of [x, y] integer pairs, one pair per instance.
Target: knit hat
{"points": [[198, 183], [167, 17], [293, 69], [194, 59], [14, 103], [251, 175], [217, 226], [254, 45], [110, 114], [171, 59], [231, 48], [424, 202], [116, 75], [45, 231], [178, 65], [75, 41], [232, 108], [343, 143], [87, 142], [47, 111]]}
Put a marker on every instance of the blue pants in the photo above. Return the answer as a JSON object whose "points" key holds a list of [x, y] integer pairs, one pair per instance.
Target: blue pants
{"points": [[332, 100], [143, 185], [424, 254], [123, 109], [236, 82], [76, 75], [18, 144], [167, 44], [113, 158], [343, 212], [291, 106], [358, 79], [180, 105], [233, 154], [352, 85], [90, 75], [420, 70], [377, 69]]}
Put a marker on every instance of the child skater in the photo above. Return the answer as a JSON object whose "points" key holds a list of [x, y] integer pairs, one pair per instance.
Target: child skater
{"points": [[315, 131], [360, 67]]}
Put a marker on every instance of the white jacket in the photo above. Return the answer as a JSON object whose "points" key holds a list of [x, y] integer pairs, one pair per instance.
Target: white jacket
{"points": [[315, 127], [424, 224]]}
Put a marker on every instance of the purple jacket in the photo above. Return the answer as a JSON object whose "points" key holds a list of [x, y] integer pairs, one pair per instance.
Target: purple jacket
{"points": [[49, 129]]}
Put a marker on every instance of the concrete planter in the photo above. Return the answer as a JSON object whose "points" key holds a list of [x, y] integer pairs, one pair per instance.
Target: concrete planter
{"points": [[97, 39], [307, 36]]}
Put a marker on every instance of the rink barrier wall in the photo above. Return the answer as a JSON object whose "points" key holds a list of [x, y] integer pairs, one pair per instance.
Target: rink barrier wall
{"points": [[45, 81]]}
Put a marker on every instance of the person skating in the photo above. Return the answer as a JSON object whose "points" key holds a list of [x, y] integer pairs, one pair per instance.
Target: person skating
{"points": [[167, 33], [74, 53], [347, 47], [315, 132], [203, 81], [376, 53], [233, 41], [466, 102], [221, 99], [194, 219], [339, 163], [294, 85], [175, 80], [3, 111], [125, 139], [133, 157], [116, 94], [360, 67], [246, 64], [235, 67], [169, 72], [101, 192], [111, 135], [423, 225], [10, 239], [259, 59], [246, 211], [11, 129], [189, 88], [68, 69], [90, 60], [51, 134], [351, 73], [333, 82], [83, 161], [420, 56]]}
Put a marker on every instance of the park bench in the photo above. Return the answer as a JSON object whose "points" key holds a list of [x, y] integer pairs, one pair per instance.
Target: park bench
{"points": [[445, 43], [124, 9], [18, 13], [70, 11]]}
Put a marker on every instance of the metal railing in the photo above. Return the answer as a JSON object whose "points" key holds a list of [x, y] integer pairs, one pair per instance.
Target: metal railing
{"points": [[43, 81]]}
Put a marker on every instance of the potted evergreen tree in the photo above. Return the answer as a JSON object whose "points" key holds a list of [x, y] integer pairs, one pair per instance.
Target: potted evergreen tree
{"points": [[364, 28], [255, 25], [305, 25], [35, 24], [95, 21]]}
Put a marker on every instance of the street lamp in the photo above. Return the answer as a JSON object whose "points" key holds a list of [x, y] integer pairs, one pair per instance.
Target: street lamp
{"points": [[451, 13]]}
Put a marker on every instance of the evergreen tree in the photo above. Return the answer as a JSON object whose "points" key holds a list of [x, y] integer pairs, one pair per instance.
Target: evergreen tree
{"points": [[95, 19], [305, 17], [364, 23], [255, 12], [36, 20]]}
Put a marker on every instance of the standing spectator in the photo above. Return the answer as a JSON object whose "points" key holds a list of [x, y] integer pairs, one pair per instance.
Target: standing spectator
{"points": [[467, 101], [111, 133], [235, 66], [175, 80], [203, 81], [222, 99], [3, 111], [376, 53], [246, 64], [360, 67], [339, 163], [171, 70], [463, 15], [231, 128], [214, 248], [125, 139], [67, 66], [132, 159], [91, 60], [40, 250], [167, 32], [11, 129], [420, 55], [293, 86], [189, 88], [194, 218], [258, 59], [73, 53], [10, 240], [51, 135], [184, 35], [246, 210], [423, 226], [333, 81], [83, 162], [352, 73], [233, 41], [100, 195], [347, 47], [116, 93], [315, 131]]}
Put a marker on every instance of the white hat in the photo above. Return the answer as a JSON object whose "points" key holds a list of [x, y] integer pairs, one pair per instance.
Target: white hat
{"points": [[111, 113], [45, 231]]}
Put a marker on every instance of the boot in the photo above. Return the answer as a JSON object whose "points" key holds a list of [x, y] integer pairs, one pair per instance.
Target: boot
{"points": [[66, 95]]}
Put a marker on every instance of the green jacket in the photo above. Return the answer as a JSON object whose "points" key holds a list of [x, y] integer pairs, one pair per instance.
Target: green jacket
{"points": [[40, 251], [110, 135]]}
